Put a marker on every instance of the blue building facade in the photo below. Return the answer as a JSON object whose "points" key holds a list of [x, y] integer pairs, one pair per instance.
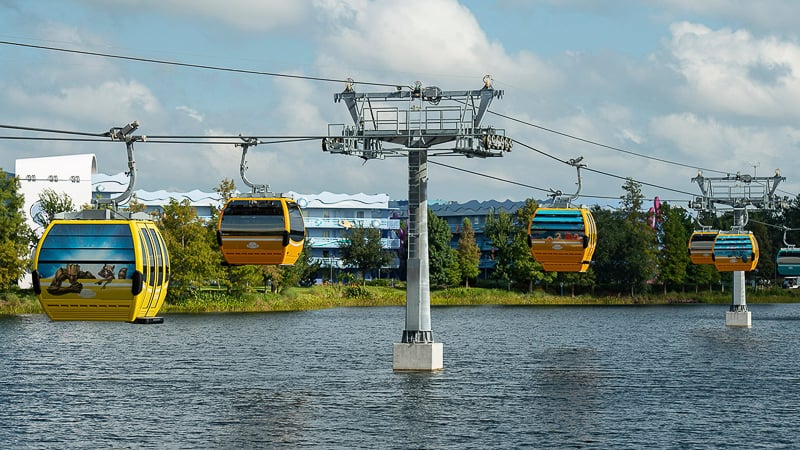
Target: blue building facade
{"points": [[454, 214], [328, 216]]}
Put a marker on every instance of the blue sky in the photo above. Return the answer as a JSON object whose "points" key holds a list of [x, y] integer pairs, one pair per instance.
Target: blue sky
{"points": [[713, 84]]}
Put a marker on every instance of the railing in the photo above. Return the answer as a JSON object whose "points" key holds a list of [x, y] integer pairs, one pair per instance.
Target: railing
{"points": [[337, 242], [336, 263], [349, 222]]}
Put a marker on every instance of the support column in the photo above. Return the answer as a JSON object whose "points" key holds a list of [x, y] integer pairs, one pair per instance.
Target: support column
{"points": [[738, 315], [417, 351]]}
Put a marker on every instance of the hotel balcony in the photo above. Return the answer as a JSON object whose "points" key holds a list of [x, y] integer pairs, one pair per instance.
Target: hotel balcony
{"points": [[350, 222]]}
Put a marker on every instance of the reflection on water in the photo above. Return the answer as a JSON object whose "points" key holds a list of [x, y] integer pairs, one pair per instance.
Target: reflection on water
{"points": [[597, 377]]}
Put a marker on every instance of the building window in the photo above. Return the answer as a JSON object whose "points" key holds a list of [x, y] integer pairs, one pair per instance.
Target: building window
{"points": [[326, 233], [359, 214], [326, 254]]}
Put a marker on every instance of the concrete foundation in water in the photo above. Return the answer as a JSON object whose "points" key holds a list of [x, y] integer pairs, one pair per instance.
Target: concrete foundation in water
{"points": [[741, 319], [418, 356]]}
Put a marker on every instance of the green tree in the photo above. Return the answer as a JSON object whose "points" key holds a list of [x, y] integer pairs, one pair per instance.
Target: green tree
{"points": [[767, 252], [51, 203], [526, 270], [135, 206], [442, 258], [469, 254], [302, 271], [363, 250], [673, 258], [499, 230], [639, 255], [15, 234], [609, 263], [194, 259], [226, 189]]}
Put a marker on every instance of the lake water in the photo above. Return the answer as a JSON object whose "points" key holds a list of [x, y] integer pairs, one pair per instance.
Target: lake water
{"points": [[562, 377]]}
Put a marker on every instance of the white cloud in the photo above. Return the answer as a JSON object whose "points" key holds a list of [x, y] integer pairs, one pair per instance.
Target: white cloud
{"points": [[736, 73], [766, 15], [121, 100], [248, 15], [435, 40], [192, 113], [725, 147]]}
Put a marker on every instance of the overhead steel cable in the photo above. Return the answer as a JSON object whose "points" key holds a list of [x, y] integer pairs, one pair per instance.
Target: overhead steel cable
{"points": [[211, 140], [610, 147], [504, 180], [49, 130], [603, 173], [487, 176], [207, 140], [194, 66]]}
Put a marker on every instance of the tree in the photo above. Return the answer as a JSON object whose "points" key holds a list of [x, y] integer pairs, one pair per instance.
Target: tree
{"points": [[673, 258], [509, 236], [51, 203], [442, 259], [15, 234], [302, 271], [194, 259], [526, 270], [499, 229], [639, 255], [226, 189], [469, 254], [362, 249], [134, 205]]}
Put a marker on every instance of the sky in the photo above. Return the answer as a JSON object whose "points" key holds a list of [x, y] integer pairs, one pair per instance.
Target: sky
{"points": [[665, 87]]}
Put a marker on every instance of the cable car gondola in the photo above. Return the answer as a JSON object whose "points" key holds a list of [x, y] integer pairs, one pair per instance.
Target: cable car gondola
{"points": [[261, 231], [563, 238], [100, 268], [260, 228], [735, 251], [101, 264], [701, 246], [788, 259]]}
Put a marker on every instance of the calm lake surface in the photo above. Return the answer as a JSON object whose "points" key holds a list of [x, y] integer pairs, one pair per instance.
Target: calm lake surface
{"points": [[574, 377]]}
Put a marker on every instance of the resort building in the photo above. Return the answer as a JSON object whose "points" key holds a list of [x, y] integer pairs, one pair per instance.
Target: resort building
{"points": [[476, 211], [327, 215]]}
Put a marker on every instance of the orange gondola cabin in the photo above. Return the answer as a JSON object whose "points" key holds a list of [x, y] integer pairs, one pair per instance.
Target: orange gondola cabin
{"points": [[701, 246], [261, 230], [89, 266], [735, 251], [563, 239]]}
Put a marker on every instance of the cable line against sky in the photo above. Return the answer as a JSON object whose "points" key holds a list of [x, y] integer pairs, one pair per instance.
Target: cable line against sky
{"points": [[193, 66], [337, 80], [604, 173], [610, 147], [213, 140]]}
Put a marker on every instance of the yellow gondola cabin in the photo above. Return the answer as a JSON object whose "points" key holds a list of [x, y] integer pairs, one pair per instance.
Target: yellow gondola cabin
{"points": [[735, 251], [701, 246], [98, 268], [563, 239], [261, 231]]}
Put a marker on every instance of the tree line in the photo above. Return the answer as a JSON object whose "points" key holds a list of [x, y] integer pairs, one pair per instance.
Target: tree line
{"points": [[635, 253]]}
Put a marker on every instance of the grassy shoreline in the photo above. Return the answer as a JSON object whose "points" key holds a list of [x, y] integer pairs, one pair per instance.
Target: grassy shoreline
{"points": [[324, 297]]}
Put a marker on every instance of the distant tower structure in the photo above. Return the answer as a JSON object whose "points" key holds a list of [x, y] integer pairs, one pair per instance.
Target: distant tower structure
{"points": [[739, 192], [410, 121]]}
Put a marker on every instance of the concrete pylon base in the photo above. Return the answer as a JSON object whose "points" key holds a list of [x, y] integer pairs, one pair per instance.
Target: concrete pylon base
{"points": [[738, 319], [424, 357]]}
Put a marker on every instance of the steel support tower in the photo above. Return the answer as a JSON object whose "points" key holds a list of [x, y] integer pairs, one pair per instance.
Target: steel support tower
{"points": [[738, 192], [410, 122]]}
